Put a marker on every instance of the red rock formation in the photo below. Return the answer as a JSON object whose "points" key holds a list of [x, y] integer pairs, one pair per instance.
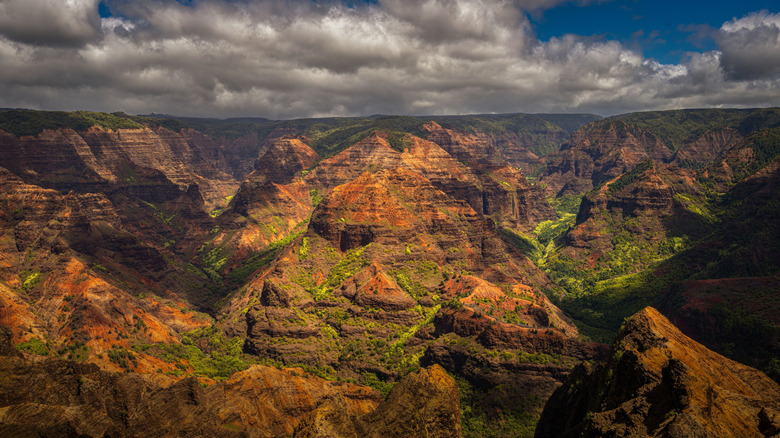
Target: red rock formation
{"points": [[285, 159], [388, 207], [652, 203], [54, 398], [500, 192], [659, 382], [373, 288], [598, 153], [65, 159], [424, 404], [467, 147]]}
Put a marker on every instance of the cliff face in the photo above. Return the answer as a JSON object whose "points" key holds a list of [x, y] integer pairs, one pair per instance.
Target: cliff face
{"points": [[607, 149], [594, 156], [97, 159], [62, 257], [650, 213], [424, 404], [54, 397], [285, 158], [498, 191], [466, 147], [389, 207], [659, 382]]}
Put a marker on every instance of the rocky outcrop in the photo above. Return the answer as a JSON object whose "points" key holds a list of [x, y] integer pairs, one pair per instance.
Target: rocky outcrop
{"points": [[55, 257], [647, 190], [263, 212], [373, 288], [367, 155], [388, 207], [466, 147], [659, 382], [603, 150], [61, 398], [424, 404], [285, 159], [277, 323], [707, 148], [492, 333]]}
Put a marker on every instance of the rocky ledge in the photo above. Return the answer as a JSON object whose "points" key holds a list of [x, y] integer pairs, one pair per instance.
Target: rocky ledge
{"points": [[661, 383]]}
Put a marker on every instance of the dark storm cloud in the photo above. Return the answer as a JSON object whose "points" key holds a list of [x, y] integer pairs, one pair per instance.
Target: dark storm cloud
{"points": [[751, 47], [50, 22], [301, 58]]}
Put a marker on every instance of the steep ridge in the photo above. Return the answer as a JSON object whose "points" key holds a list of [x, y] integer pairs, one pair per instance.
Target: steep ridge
{"points": [[269, 205], [608, 148], [284, 159], [465, 147], [58, 253], [601, 152], [97, 159], [498, 191], [660, 382]]}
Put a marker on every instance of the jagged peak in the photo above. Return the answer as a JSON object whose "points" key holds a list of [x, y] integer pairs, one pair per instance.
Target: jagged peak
{"points": [[656, 340], [659, 382]]}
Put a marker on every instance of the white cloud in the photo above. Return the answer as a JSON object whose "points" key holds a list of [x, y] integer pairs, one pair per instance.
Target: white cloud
{"points": [[300, 58]]}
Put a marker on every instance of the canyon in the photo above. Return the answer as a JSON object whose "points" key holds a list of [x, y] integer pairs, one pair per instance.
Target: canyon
{"points": [[388, 276]]}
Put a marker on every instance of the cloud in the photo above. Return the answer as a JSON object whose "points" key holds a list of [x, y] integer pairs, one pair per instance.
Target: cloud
{"points": [[288, 58], [751, 46], [50, 22]]}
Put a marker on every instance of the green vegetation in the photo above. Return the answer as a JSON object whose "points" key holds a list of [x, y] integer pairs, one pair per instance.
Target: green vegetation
{"points": [[24, 122], [328, 142], [530, 247], [122, 357], [765, 146], [347, 267], [408, 284], [495, 414], [30, 280], [746, 336], [34, 346], [673, 128], [536, 127], [316, 198], [258, 260], [631, 176], [566, 205], [206, 350]]}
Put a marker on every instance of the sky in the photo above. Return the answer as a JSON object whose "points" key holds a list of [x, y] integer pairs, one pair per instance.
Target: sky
{"points": [[284, 59]]}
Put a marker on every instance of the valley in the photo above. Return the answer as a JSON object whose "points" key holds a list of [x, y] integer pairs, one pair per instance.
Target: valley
{"points": [[388, 276]]}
